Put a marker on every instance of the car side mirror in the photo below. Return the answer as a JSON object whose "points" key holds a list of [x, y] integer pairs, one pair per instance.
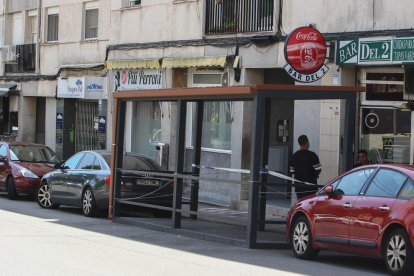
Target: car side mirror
{"points": [[329, 190], [3, 159]]}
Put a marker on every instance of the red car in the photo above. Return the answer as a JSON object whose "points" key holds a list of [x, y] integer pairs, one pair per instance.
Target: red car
{"points": [[22, 165], [367, 211]]}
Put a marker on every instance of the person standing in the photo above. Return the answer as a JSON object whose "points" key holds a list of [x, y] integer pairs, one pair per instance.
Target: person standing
{"points": [[305, 166], [362, 158]]}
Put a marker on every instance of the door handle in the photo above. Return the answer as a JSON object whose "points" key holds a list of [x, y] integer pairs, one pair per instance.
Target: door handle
{"points": [[347, 205], [384, 208]]}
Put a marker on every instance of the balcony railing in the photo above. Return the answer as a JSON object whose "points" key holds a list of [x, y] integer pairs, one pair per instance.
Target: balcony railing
{"points": [[239, 16], [25, 60]]}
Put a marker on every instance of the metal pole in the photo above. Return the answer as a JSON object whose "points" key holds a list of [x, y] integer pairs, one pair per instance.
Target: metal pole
{"points": [[196, 156], [256, 158], [119, 154], [179, 161], [349, 135], [264, 161]]}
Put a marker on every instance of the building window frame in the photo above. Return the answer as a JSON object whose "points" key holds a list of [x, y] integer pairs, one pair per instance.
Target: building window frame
{"points": [[89, 32], [52, 12]]}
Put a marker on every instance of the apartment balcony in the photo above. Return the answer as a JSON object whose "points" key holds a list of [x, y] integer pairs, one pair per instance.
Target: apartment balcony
{"points": [[20, 58], [239, 16]]}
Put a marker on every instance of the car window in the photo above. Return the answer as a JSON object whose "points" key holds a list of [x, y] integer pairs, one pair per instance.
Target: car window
{"points": [[134, 162], [73, 161], [87, 162], [3, 150], [96, 164], [351, 184], [386, 183], [33, 153], [408, 190]]}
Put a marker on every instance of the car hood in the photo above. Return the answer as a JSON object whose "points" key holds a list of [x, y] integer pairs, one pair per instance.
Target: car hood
{"points": [[38, 169]]}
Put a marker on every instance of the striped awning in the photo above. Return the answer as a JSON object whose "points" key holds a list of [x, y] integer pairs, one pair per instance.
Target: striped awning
{"points": [[216, 61], [133, 64]]}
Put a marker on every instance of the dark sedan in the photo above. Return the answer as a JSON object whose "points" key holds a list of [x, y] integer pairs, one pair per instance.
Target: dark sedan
{"points": [[84, 180], [22, 165]]}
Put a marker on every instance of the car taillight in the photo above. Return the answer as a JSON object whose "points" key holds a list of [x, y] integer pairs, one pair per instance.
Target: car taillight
{"points": [[108, 180]]}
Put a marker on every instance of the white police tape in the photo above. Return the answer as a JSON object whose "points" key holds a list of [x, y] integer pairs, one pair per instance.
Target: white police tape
{"points": [[262, 171]]}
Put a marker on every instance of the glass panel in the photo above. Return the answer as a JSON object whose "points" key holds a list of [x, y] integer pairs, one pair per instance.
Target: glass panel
{"points": [[352, 183], [146, 125], [408, 190], [207, 79], [385, 92], [53, 27], [34, 154], [386, 135], [386, 183], [91, 23], [217, 125], [3, 151], [96, 164], [86, 162], [73, 161]]}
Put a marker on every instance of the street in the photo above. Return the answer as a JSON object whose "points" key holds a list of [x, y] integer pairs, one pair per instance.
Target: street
{"points": [[37, 241]]}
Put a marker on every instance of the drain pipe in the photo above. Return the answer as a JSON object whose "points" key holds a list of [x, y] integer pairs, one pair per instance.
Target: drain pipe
{"points": [[39, 25]]}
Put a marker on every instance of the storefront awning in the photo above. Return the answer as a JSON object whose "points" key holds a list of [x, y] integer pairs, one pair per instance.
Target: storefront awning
{"points": [[216, 61], [134, 64], [5, 89]]}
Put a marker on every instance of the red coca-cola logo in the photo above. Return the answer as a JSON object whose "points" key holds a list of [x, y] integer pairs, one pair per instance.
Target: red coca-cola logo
{"points": [[305, 50]]}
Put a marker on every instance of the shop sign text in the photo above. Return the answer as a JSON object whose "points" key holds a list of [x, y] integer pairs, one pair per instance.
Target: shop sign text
{"points": [[138, 79]]}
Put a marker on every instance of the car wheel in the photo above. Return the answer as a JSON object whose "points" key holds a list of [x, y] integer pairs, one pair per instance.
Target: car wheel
{"points": [[89, 208], [11, 188], [301, 239], [44, 198], [398, 253]]}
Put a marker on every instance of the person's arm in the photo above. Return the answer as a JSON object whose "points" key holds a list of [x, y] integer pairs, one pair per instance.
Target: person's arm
{"points": [[316, 164]]}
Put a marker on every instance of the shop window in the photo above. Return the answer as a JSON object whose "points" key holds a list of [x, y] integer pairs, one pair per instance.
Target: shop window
{"points": [[217, 117], [386, 134], [53, 25], [91, 21], [384, 86]]}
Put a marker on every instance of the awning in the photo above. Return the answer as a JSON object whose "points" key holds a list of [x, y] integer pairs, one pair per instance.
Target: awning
{"points": [[133, 64], [216, 61], [6, 88]]}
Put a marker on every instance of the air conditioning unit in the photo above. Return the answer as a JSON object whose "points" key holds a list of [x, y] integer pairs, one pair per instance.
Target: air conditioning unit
{"points": [[10, 54]]}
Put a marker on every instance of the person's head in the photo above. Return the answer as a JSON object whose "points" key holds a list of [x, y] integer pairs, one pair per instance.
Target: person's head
{"points": [[303, 142], [362, 156]]}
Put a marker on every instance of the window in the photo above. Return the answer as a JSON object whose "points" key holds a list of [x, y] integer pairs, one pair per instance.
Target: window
{"points": [[96, 164], [384, 86], [134, 3], [386, 183], [91, 20], [53, 24], [87, 162], [351, 184], [17, 29], [408, 190], [3, 151], [32, 26], [73, 161]]}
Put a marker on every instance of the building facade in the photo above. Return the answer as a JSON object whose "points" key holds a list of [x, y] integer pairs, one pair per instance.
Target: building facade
{"points": [[78, 54]]}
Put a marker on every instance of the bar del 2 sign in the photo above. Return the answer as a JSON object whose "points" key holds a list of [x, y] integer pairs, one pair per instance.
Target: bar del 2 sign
{"points": [[305, 53]]}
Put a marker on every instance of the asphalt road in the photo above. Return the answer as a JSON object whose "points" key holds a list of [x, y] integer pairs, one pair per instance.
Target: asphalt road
{"points": [[34, 241]]}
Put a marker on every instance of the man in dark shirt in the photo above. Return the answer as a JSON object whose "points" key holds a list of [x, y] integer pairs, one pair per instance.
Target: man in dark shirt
{"points": [[362, 159], [305, 166]]}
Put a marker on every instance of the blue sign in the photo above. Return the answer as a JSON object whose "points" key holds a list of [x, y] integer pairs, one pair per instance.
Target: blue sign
{"points": [[59, 120], [102, 125]]}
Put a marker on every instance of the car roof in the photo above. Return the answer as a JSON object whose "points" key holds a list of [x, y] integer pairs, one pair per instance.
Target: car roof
{"points": [[407, 169], [15, 143]]}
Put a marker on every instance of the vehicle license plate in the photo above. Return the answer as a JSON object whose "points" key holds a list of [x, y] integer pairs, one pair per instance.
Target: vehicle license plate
{"points": [[147, 182]]}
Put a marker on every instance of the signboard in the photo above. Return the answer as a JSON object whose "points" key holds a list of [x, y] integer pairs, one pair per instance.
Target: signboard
{"points": [[102, 125], [59, 120], [305, 53], [137, 79], [82, 88], [375, 51]]}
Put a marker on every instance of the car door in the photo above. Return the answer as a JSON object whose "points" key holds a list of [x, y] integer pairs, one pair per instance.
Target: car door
{"points": [[331, 213], [4, 167], [372, 209], [58, 181], [77, 179]]}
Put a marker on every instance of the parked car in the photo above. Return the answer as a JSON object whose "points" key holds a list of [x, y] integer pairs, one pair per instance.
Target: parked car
{"points": [[83, 181], [367, 211], [22, 165]]}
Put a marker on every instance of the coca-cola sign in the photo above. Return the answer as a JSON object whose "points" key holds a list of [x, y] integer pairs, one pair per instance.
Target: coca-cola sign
{"points": [[305, 52]]}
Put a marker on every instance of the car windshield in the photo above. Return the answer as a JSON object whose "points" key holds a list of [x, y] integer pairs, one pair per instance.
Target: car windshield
{"points": [[35, 154], [133, 162]]}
